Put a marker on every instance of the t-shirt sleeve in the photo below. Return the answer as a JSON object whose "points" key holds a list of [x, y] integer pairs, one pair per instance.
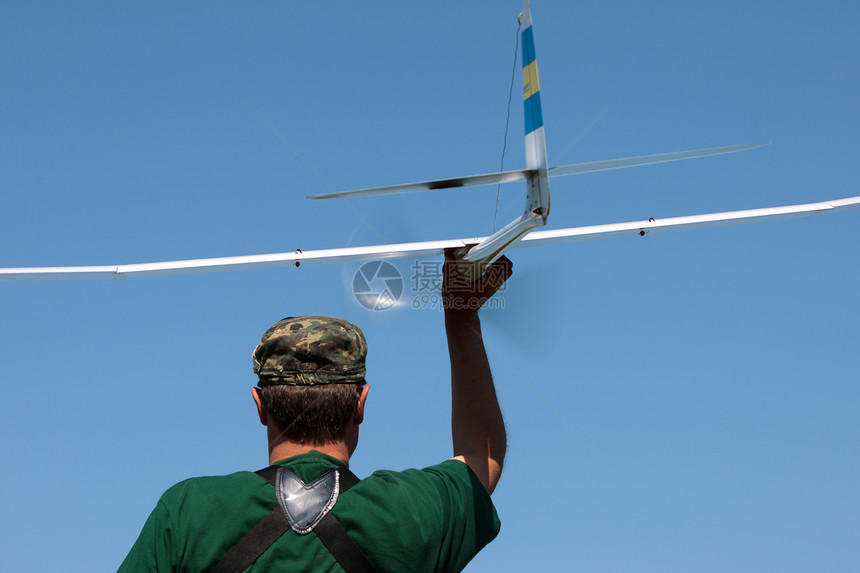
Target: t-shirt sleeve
{"points": [[472, 521], [153, 550]]}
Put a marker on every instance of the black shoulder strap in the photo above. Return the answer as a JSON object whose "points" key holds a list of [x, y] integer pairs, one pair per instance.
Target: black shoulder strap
{"points": [[330, 531]]}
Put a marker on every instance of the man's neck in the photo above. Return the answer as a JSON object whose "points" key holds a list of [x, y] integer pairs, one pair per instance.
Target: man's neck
{"points": [[285, 449]]}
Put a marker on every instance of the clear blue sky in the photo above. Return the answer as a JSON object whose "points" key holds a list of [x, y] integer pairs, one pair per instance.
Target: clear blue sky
{"points": [[714, 372]]}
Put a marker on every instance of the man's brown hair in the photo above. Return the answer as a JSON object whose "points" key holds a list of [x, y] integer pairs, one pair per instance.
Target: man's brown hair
{"points": [[318, 414]]}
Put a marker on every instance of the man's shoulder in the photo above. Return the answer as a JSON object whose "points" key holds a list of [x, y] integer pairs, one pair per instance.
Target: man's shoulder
{"points": [[447, 471], [439, 485], [240, 487], [415, 515], [214, 481]]}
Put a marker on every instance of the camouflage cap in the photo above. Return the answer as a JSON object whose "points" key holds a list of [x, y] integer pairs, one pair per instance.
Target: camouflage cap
{"points": [[308, 350]]}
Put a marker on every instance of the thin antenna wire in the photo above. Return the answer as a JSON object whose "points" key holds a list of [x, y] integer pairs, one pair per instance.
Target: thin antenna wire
{"points": [[580, 136], [318, 174], [507, 121]]}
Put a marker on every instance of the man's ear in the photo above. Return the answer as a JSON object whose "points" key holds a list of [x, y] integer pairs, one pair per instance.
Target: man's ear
{"points": [[261, 412], [359, 410]]}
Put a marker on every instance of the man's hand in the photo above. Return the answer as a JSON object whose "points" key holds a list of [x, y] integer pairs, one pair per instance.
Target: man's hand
{"points": [[462, 297], [477, 427]]}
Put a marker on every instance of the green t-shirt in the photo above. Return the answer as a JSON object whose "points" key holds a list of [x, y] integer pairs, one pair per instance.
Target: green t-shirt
{"points": [[435, 519]]}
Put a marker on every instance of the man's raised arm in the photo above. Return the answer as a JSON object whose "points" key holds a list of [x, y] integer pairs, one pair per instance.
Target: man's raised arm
{"points": [[477, 427]]}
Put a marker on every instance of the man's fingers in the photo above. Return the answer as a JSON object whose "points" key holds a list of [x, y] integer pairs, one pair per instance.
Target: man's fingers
{"points": [[457, 275], [495, 276], [450, 253]]}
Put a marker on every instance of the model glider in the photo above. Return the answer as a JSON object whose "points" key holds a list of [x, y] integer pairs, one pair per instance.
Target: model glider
{"points": [[521, 232]]}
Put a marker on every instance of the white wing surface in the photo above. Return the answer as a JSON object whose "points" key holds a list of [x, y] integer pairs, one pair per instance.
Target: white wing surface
{"points": [[427, 248], [522, 174], [632, 228]]}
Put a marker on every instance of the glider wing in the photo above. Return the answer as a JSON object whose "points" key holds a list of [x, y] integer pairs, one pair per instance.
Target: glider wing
{"points": [[427, 248]]}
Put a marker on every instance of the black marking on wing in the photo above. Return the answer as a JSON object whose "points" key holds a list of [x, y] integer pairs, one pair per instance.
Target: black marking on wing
{"points": [[447, 183]]}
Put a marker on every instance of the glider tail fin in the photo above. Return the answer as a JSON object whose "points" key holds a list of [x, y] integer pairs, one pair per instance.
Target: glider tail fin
{"points": [[535, 143], [536, 172]]}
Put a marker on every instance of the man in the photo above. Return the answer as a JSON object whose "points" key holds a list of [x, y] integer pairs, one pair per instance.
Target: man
{"points": [[307, 512]]}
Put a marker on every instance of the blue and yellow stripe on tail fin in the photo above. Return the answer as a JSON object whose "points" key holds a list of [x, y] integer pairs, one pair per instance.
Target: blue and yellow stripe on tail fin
{"points": [[535, 143], [531, 84]]}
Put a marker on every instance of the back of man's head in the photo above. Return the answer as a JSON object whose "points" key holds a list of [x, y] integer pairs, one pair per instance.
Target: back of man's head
{"points": [[310, 369]]}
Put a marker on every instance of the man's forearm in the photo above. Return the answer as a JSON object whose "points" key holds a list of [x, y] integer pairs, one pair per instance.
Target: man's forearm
{"points": [[477, 427]]}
